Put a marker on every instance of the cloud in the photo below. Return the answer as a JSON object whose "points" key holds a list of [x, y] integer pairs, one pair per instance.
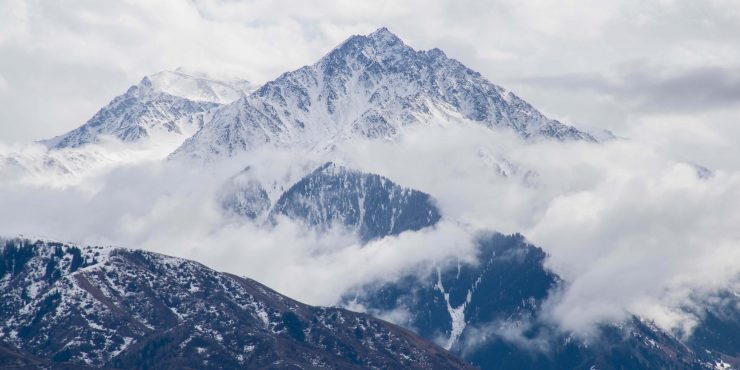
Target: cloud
{"points": [[630, 227], [511, 332], [174, 209], [650, 90]]}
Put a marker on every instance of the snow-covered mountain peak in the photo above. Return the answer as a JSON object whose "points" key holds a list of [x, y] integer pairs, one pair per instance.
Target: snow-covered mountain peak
{"points": [[382, 41], [384, 35], [171, 103], [371, 86]]}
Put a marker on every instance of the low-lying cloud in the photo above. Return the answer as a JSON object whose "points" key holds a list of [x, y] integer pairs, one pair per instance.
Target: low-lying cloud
{"points": [[630, 228], [650, 90]]}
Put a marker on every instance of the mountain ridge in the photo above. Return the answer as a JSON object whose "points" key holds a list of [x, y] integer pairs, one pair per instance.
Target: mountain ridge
{"points": [[372, 87], [167, 102], [371, 205], [126, 308]]}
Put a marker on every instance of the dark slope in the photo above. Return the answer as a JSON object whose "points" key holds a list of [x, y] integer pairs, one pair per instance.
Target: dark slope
{"points": [[490, 314], [371, 204], [718, 331], [132, 309]]}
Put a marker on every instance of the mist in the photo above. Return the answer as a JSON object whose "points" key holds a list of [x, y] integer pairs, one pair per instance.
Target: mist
{"points": [[631, 228]]}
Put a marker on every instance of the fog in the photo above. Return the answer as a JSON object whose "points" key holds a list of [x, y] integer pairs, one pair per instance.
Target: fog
{"points": [[631, 228]]}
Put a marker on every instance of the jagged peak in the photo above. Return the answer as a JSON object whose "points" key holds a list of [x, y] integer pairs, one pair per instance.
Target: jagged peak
{"points": [[437, 52], [381, 41], [382, 34], [370, 86]]}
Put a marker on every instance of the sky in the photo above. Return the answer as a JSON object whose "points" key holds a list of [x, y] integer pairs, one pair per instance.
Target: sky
{"points": [[613, 65], [632, 214]]}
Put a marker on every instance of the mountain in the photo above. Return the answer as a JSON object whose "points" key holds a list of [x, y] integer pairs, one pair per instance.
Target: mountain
{"points": [[369, 204], [168, 102], [490, 314], [120, 308], [156, 115], [718, 331], [369, 86], [12, 358]]}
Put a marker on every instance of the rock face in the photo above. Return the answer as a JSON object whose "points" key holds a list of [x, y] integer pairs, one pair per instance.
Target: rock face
{"points": [[370, 204], [333, 195], [369, 86], [489, 314], [166, 102], [12, 358], [105, 307]]}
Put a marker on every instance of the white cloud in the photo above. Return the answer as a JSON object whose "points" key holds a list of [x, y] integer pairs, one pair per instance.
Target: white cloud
{"points": [[631, 227], [174, 209]]}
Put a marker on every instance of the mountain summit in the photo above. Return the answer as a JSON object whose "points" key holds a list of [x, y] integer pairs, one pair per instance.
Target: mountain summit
{"points": [[169, 102], [371, 86]]}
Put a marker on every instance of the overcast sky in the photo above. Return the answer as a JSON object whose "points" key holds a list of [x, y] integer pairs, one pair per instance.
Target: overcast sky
{"points": [[609, 64]]}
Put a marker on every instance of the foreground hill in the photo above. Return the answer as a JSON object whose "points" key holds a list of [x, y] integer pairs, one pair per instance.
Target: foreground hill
{"points": [[119, 308]]}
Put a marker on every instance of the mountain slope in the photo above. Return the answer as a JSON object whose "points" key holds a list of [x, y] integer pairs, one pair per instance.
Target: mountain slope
{"points": [[368, 204], [12, 358], [369, 86], [134, 309], [718, 330], [489, 314], [166, 102], [372, 205]]}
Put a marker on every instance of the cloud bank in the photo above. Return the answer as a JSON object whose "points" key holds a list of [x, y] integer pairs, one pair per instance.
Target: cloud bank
{"points": [[630, 229], [61, 63]]}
